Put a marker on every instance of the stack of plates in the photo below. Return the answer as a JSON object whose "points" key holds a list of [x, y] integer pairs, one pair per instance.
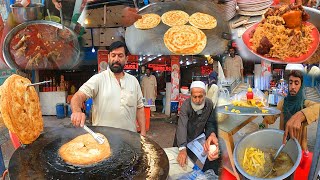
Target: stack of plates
{"points": [[253, 7], [228, 9]]}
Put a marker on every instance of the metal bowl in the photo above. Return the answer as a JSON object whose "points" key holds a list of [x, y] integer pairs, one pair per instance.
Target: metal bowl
{"points": [[22, 14], [267, 139], [11, 61]]}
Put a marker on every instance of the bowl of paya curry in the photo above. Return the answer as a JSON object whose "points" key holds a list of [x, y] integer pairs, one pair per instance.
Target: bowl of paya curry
{"points": [[254, 152], [36, 45]]}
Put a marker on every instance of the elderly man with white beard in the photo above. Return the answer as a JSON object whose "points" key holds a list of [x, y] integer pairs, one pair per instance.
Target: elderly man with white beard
{"points": [[197, 116]]}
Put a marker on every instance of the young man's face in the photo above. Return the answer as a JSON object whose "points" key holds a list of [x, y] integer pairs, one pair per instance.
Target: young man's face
{"points": [[232, 53], [117, 60], [294, 85], [148, 72]]}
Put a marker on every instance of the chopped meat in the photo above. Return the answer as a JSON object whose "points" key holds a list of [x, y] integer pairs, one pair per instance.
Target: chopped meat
{"points": [[34, 61], [252, 33], [53, 56], [291, 33], [270, 12], [21, 51], [265, 46], [39, 36], [305, 16], [20, 43], [37, 48]]}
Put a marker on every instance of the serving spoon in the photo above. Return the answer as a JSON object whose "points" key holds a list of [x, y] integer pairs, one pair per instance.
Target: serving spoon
{"points": [[276, 155]]}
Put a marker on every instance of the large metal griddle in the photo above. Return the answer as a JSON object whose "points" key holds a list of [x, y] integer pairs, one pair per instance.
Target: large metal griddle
{"points": [[40, 160], [10, 61], [150, 42]]}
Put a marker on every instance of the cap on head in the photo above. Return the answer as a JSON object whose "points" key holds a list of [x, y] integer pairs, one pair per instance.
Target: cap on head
{"points": [[198, 84]]}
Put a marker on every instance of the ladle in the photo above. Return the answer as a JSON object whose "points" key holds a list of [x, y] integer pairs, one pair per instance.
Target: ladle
{"points": [[276, 155], [49, 14]]}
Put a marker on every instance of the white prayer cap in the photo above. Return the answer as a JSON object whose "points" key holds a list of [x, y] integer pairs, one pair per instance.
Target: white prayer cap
{"points": [[198, 84]]}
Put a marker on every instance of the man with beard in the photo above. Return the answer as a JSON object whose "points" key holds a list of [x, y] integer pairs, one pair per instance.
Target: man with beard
{"points": [[149, 87], [296, 111], [117, 97], [233, 66], [197, 116]]}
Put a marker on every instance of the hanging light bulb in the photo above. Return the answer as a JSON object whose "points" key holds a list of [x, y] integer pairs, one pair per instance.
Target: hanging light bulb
{"points": [[93, 50], [86, 21]]}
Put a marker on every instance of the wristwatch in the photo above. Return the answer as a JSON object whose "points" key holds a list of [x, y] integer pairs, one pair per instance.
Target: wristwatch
{"points": [[182, 148]]}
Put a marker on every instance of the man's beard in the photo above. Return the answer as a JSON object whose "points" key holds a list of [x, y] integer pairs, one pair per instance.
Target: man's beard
{"points": [[232, 55], [293, 93], [116, 69], [197, 107]]}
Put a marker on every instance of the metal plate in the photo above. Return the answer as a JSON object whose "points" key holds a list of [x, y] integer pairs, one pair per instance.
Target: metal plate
{"points": [[150, 42], [133, 157], [248, 111], [6, 44]]}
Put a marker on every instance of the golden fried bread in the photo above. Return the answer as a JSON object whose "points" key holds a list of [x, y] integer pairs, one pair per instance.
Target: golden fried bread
{"points": [[148, 21], [85, 150], [1, 120], [20, 109], [185, 39], [175, 18], [202, 21]]}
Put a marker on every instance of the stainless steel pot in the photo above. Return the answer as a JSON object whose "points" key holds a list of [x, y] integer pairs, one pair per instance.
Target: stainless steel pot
{"points": [[32, 12], [266, 139]]}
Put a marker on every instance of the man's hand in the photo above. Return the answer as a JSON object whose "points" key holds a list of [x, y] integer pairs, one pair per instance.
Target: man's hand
{"points": [[143, 133], [78, 119], [293, 126], [57, 4], [212, 139], [129, 16], [182, 157]]}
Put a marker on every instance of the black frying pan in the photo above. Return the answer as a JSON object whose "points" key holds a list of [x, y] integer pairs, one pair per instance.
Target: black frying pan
{"points": [[40, 160]]}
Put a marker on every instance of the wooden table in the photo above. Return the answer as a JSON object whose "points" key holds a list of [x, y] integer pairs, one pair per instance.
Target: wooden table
{"points": [[227, 129]]}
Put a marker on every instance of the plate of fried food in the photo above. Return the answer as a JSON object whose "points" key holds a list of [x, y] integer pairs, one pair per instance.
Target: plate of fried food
{"points": [[180, 28], [283, 36]]}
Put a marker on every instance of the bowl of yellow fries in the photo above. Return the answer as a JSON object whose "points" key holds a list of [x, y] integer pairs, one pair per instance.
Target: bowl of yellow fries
{"points": [[253, 155]]}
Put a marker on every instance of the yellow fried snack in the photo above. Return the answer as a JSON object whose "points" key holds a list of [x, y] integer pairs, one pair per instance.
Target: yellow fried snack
{"points": [[265, 111], [248, 103], [226, 108], [253, 161]]}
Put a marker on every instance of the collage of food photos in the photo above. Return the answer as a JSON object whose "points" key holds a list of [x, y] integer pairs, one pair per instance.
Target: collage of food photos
{"points": [[160, 89]]}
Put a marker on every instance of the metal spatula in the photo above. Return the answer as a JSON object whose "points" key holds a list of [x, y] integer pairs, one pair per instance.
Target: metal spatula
{"points": [[98, 138]]}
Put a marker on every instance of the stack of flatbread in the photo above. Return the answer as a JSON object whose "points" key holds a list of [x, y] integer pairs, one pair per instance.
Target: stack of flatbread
{"points": [[253, 7], [20, 108]]}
